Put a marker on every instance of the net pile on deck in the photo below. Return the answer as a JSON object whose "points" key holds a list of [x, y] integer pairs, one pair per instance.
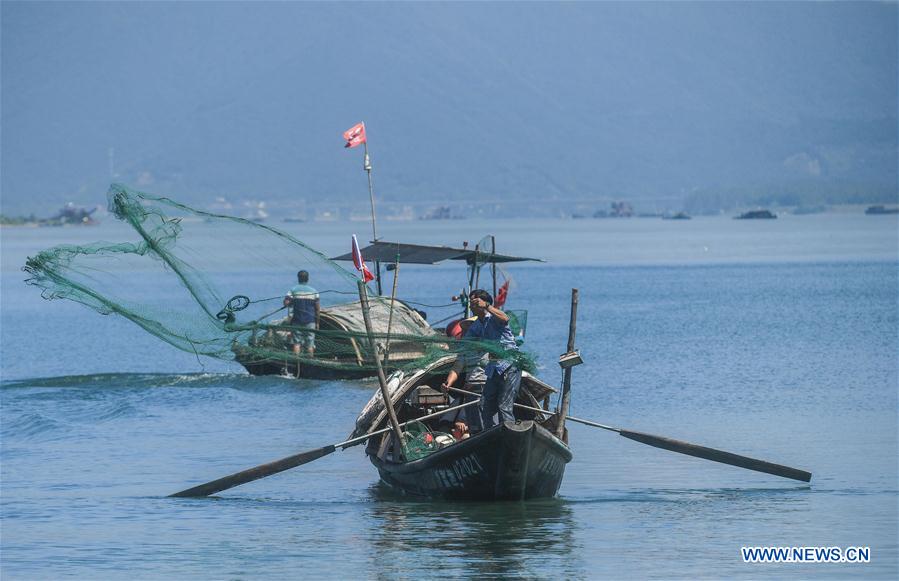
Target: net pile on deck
{"points": [[213, 285]]}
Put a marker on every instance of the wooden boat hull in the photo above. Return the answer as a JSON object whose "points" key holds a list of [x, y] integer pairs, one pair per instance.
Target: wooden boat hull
{"points": [[513, 461], [327, 369], [305, 371]]}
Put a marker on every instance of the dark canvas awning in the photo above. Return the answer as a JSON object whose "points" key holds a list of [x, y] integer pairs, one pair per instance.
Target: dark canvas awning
{"points": [[383, 251]]}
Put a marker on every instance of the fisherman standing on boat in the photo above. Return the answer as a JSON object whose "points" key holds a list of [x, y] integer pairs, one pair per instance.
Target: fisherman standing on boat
{"points": [[305, 309], [503, 376]]}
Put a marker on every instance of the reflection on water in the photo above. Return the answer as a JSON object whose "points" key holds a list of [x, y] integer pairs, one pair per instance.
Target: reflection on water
{"points": [[471, 539]]}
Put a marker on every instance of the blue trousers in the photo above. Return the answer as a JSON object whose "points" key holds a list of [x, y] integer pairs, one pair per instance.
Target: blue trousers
{"points": [[499, 396]]}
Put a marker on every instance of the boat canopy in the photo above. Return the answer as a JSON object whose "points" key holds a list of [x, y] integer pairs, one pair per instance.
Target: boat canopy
{"points": [[411, 334], [348, 317], [383, 251]]}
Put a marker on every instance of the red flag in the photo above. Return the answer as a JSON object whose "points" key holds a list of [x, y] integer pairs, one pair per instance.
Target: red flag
{"points": [[501, 295], [359, 263], [355, 135]]}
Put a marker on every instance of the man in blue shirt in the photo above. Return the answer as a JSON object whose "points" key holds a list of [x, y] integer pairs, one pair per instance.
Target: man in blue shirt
{"points": [[503, 376], [305, 308]]}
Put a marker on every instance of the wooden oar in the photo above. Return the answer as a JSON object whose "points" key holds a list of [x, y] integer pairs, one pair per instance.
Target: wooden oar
{"points": [[704, 452], [283, 464], [687, 448]]}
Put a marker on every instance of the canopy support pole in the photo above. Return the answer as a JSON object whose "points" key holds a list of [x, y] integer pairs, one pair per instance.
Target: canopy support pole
{"points": [[493, 262], [472, 281], [396, 276]]}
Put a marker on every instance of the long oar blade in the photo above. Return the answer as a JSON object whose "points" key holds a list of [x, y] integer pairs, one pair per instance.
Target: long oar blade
{"points": [[717, 455], [256, 473]]}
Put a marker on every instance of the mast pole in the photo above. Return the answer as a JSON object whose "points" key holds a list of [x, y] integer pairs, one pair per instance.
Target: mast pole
{"points": [[366, 165], [566, 381]]}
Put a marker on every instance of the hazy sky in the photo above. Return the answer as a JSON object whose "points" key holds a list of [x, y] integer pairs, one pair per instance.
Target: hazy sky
{"points": [[463, 101]]}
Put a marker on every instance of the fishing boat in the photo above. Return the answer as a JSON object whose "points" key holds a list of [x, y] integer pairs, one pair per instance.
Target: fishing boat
{"points": [[342, 353], [881, 211], [517, 460]]}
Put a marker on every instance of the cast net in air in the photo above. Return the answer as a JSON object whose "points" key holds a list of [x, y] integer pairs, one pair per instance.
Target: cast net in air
{"points": [[210, 284]]}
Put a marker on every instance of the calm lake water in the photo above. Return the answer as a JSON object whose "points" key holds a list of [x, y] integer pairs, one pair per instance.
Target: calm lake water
{"points": [[775, 339]]}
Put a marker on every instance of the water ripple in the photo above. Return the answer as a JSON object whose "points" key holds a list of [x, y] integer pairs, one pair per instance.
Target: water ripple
{"points": [[31, 425]]}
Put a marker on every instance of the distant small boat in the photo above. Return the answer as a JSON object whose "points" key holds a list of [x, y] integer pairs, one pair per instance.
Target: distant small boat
{"points": [[441, 213], [619, 210], [71, 215], [678, 216], [756, 215], [881, 210]]}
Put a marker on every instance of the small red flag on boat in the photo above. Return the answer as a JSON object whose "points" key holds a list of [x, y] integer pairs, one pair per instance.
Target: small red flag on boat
{"points": [[501, 295], [355, 135], [359, 263]]}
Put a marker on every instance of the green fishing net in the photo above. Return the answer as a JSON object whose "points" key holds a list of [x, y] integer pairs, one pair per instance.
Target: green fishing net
{"points": [[211, 284], [420, 441]]}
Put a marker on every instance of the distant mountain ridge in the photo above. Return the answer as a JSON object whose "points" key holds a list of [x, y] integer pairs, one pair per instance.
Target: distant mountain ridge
{"points": [[499, 101]]}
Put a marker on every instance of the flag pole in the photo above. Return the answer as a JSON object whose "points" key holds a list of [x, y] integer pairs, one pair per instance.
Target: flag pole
{"points": [[366, 165]]}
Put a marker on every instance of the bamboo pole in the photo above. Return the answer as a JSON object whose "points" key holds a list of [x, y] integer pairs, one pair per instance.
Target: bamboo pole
{"points": [[396, 276], [366, 165], [471, 279], [566, 381], [477, 264], [385, 394], [493, 263]]}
